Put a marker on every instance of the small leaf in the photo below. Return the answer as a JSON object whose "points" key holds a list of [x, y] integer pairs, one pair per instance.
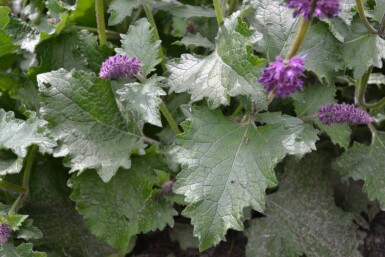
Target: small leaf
{"points": [[230, 70], [139, 42], [87, 123], [126, 205], [143, 99], [120, 9], [14, 221], [23, 250], [308, 103], [227, 167], [195, 40], [379, 10], [366, 163], [11, 166], [27, 231], [301, 217]]}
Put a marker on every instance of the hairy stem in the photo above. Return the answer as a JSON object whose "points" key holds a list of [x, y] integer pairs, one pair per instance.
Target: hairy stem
{"points": [[299, 37], [218, 12], [99, 8], [155, 33], [364, 20], [26, 175], [12, 187], [233, 7]]}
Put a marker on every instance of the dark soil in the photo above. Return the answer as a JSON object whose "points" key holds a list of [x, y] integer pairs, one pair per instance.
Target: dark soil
{"points": [[374, 243]]}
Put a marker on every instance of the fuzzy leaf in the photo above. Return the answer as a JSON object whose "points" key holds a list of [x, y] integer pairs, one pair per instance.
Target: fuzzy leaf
{"points": [[301, 217], [17, 135], [195, 40], [120, 9], [227, 167], [86, 122], [139, 42], [372, 49], [230, 70], [23, 250], [308, 103], [366, 163], [379, 10], [144, 99], [11, 166], [126, 205]]}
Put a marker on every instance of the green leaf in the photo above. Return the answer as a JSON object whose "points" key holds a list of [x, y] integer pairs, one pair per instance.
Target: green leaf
{"points": [[15, 220], [143, 99], [301, 217], [379, 10], [227, 167], [230, 70], [17, 135], [371, 53], [139, 42], [362, 162], [126, 205], [196, 40], [27, 231], [346, 13], [11, 166], [65, 232], [188, 11], [23, 250], [308, 102], [86, 121], [120, 9]]}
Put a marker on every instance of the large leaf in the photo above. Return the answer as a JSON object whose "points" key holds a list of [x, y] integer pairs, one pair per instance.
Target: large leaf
{"points": [[139, 42], [362, 162], [17, 135], [23, 250], [126, 205], [379, 10], [301, 218], [86, 122], [64, 231], [230, 70], [372, 49], [144, 99], [308, 103], [120, 9], [227, 167]]}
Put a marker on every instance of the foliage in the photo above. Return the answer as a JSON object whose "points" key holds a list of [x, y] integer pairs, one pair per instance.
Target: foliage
{"points": [[88, 164]]}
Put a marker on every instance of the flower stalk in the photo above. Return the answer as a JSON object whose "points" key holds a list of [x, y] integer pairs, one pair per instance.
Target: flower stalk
{"points": [[364, 19], [99, 8], [299, 37], [218, 12], [361, 86]]}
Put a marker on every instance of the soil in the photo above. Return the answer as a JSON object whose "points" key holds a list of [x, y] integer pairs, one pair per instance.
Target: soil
{"points": [[159, 244]]}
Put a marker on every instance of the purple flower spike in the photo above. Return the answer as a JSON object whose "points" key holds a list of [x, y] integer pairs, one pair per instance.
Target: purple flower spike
{"points": [[343, 113], [283, 75], [323, 8], [119, 66], [5, 233]]}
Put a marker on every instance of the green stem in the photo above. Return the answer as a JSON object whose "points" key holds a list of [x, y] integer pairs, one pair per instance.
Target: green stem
{"points": [[218, 12], [163, 108], [361, 86], [233, 7], [299, 37], [25, 184], [99, 8], [237, 110], [381, 29], [108, 32], [364, 20], [12, 187], [155, 33]]}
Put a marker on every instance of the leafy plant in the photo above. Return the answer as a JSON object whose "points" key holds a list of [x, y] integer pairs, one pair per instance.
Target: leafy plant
{"points": [[255, 116]]}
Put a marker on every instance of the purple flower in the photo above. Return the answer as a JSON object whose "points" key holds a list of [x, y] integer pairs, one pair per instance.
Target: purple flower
{"points": [[119, 66], [328, 8], [5, 232], [284, 76], [343, 113]]}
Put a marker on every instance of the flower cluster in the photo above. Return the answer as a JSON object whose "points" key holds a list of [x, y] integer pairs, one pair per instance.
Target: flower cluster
{"points": [[119, 66], [5, 233], [343, 113], [284, 76], [322, 8]]}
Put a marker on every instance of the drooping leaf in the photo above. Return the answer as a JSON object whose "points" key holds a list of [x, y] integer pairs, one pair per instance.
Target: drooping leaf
{"points": [[301, 217], [120, 9], [23, 250], [87, 123], [126, 205], [17, 135], [308, 102], [64, 231], [143, 99], [362, 162], [372, 49], [227, 167], [139, 42], [230, 70]]}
